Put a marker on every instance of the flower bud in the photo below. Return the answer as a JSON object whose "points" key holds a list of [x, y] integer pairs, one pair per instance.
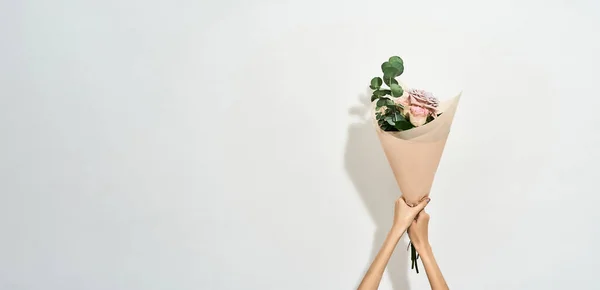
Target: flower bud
{"points": [[404, 102], [382, 110]]}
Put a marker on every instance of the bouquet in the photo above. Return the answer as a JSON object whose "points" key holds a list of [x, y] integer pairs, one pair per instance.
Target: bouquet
{"points": [[412, 125]]}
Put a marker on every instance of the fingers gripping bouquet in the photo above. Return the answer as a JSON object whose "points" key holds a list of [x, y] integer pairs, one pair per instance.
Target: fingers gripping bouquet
{"points": [[412, 125]]}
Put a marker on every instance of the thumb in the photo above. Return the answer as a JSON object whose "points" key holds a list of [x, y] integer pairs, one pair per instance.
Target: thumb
{"points": [[419, 207]]}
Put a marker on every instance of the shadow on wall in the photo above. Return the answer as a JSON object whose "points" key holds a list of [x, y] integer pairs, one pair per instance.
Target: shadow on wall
{"points": [[371, 174]]}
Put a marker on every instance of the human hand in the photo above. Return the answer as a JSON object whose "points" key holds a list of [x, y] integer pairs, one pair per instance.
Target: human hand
{"points": [[418, 232], [404, 215]]}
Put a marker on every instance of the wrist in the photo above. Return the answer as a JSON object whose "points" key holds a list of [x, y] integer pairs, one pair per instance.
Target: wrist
{"points": [[397, 230], [400, 227], [424, 249]]}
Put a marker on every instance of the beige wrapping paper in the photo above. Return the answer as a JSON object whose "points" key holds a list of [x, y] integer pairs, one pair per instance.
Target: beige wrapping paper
{"points": [[415, 154]]}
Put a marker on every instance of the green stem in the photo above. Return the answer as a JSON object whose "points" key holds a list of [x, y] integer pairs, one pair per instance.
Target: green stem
{"points": [[414, 257]]}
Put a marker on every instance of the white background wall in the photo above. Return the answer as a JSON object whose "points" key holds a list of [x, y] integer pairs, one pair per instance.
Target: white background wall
{"points": [[223, 144]]}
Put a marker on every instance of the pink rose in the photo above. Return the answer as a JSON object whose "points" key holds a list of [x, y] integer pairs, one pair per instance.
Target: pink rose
{"points": [[423, 99], [418, 106], [418, 115]]}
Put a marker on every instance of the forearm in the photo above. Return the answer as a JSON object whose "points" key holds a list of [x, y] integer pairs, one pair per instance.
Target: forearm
{"points": [[373, 276], [434, 274]]}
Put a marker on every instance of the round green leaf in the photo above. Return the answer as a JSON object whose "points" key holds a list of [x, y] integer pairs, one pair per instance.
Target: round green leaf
{"points": [[397, 90], [398, 66], [403, 125], [381, 102], [390, 120], [381, 93], [376, 83], [390, 70], [396, 59]]}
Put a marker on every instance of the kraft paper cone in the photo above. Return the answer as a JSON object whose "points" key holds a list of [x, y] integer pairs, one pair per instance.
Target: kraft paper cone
{"points": [[415, 154]]}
